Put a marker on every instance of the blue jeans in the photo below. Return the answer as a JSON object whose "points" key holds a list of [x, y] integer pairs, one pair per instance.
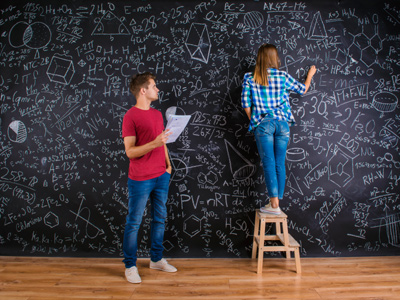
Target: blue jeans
{"points": [[139, 192], [272, 137]]}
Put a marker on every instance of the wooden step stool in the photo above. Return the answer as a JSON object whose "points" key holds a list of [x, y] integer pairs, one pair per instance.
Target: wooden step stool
{"points": [[289, 244]]}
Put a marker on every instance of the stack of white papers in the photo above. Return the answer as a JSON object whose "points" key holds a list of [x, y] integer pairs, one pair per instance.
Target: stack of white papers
{"points": [[176, 124]]}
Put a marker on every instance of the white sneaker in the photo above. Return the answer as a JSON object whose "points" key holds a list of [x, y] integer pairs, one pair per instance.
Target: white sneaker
{"points": [[162, 265], [132, 275], [268, 209]]}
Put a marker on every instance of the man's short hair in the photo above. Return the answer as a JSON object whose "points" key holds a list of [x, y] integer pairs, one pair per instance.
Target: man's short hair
{"points": [[139, 81]]}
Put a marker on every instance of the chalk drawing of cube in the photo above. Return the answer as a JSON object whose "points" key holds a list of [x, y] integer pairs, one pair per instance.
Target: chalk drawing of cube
{"points": [[60, 70]]}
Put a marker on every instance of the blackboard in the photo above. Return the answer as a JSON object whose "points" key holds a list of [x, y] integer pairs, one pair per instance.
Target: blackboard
{"points": [[65, 68]]}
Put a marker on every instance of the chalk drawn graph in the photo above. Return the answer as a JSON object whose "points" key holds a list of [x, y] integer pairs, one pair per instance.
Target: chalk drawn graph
{"points": [[84, 214], [389, 229]]}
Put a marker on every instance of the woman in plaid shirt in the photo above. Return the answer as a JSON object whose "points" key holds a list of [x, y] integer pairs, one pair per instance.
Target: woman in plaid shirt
{"points": [[265, 99]]}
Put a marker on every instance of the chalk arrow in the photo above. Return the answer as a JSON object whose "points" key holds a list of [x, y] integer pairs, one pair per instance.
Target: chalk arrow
{"points": [[338, 114]]}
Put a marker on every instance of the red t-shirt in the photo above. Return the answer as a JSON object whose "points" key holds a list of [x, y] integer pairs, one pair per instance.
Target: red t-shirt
{"points": [[146, 125]]}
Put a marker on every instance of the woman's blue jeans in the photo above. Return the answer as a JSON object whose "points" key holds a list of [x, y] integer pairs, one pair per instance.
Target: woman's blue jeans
{"points": [[272, 138], [139, 192]]}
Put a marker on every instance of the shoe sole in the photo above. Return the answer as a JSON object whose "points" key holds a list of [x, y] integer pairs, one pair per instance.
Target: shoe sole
{"points": [[160, 269], [134, 281]]}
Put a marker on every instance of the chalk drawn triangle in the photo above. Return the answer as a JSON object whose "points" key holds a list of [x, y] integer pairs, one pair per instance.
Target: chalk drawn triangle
{"points": [[317, 28], [109, 24], [294, 25], [293, 184], [246, 169], [118, 111]]}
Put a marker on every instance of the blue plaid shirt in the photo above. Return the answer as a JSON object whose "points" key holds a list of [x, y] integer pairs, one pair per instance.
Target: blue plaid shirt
{"points": [[270, 101]]}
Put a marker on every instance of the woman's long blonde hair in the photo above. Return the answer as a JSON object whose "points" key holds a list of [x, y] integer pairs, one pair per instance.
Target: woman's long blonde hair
{"points": [[267, 57]]}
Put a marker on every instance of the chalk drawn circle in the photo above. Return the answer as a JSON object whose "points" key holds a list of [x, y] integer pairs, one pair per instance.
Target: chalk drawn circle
{"points": [[17, 132], [295, 154], [385, 102], [253, 19], [36, 35], [244, 172], [17, 33], [388, 157], [174, 110], [180, 169]]}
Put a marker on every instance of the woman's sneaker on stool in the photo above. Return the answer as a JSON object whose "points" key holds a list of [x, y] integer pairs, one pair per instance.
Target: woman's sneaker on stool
{"points": [[268, 209]]}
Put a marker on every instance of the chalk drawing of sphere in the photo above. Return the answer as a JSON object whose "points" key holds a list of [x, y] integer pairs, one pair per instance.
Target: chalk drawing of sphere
{"points": [[253, 19], [36, 35], [17, 132]]}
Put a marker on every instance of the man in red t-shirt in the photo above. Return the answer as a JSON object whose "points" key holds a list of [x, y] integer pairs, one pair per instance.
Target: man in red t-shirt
{"points": [[149, 174]]}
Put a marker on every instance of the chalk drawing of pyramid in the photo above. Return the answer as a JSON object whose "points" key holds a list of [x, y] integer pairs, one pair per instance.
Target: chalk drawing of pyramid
{"points": [[109, 24], [245, 169], [317, 28]]}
